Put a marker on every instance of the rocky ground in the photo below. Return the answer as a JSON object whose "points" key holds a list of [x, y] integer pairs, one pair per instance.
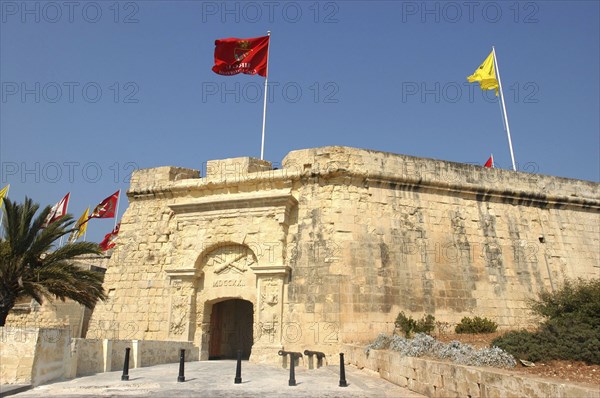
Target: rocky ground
{"points": [[571, 371]]}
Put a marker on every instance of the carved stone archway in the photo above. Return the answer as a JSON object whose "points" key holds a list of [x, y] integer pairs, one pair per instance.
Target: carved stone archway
{"points": [[225, 273]]}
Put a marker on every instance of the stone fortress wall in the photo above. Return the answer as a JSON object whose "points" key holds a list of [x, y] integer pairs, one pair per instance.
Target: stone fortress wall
{"points": [[332, 246]]}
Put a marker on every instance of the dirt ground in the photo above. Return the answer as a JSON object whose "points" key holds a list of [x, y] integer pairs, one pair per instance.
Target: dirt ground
{"points": [[570, 371]]}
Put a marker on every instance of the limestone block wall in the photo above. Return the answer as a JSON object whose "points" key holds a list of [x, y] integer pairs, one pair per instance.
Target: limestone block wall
{"points": [[96, 356], [90, 356], [150, 353], [379, 233], [52, 356], [39, 355], [49, 314], [329, 248], [17, 351], [445, 379], [33, 355]]}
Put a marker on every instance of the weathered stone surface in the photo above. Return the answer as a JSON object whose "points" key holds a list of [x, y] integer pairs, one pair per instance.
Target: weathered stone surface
{"points": [[329, 248], [446, 379], [33, 355]]}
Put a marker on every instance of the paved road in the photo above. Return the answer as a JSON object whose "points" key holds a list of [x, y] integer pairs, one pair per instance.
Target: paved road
{"points": [[215, 379]]}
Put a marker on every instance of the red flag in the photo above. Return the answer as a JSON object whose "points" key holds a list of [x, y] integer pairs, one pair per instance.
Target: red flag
{"points": [[58, 210], [490, 162], [249, 56], [106, 208], [110, 239]]}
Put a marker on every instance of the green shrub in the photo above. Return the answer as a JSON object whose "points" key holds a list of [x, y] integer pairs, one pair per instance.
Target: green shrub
{"points": [[553, 341], [476, 325], [577, 301], [571, 327], [408, 325]]}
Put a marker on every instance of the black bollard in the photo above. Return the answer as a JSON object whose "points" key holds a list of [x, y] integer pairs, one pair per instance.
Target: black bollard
{"points": [[238, 369], [343, 382], [292, 355], [125, 375], [181, 377], [292, 381]]}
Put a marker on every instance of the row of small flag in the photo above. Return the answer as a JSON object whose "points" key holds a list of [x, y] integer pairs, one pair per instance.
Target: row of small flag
{"points": [[107, 208]]}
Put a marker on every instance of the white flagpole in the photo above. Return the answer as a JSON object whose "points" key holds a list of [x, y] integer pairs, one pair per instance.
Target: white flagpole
{"points": [[262, 144], [117, 210], [512, 155], [66, 210]]}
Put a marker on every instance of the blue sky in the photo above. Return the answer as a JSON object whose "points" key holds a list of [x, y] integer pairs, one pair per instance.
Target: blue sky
{"points": [[94, 89]]}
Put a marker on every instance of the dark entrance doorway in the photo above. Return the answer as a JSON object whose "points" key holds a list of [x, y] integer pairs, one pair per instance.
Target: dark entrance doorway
{"points": [[231, 329]]}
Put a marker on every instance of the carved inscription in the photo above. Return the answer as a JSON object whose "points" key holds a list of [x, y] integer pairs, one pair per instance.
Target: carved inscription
{"points": [[229, 282]]}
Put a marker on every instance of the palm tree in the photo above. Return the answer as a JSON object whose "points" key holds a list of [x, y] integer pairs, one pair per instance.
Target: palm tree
{"points": [[30, 265]]}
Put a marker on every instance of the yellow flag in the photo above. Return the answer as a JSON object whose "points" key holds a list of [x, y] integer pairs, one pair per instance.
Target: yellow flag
{"points": [[4, 191], [80, 226], [486, 75]]}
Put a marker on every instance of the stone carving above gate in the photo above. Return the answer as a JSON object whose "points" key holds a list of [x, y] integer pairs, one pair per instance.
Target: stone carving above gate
{"points": [[230, 260]]}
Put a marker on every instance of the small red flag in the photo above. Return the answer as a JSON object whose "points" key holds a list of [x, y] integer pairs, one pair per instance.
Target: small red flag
{"points": [[249, 56], [57, 211], [490, 162], [110, 238], [106, 208]]}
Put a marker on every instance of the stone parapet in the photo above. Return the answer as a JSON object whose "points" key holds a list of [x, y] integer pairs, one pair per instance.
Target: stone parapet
{"points": [[33, 355], [447, 178], [445, 379], [375, 167]]}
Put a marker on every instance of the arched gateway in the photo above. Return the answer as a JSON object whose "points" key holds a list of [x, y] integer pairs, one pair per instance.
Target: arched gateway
{"points": [[225, 291], [228, 302]]}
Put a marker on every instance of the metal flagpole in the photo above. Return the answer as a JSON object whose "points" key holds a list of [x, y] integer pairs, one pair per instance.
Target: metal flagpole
{"points": [[117, 210], [512, 155], [66, 210], [262, 145]]}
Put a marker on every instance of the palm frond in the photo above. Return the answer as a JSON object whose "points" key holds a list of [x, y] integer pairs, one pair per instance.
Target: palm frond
{"points": [[30, 265], [66, 280], [71, 250]]}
